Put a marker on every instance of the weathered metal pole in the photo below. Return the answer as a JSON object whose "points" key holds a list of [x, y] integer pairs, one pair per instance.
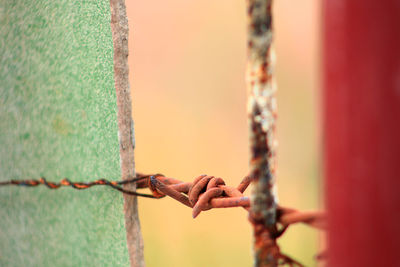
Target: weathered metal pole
{"points": [[120, 31], [262, 116]]}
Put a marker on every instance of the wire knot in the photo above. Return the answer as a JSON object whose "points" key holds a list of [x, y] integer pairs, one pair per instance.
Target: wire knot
{"points": [[204, 193]]}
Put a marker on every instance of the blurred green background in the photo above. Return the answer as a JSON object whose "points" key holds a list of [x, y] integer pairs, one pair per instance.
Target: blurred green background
{"points": [[187, 67]]}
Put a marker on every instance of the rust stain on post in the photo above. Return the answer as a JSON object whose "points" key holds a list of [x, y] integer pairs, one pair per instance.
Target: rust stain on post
{"points": [[262, 117], [120, 31]]}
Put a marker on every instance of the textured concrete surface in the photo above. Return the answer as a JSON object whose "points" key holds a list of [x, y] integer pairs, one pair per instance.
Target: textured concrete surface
{"points": [[58, 119]]}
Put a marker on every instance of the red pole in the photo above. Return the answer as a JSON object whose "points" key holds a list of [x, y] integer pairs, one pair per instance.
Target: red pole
{"points": [[362, 131]]}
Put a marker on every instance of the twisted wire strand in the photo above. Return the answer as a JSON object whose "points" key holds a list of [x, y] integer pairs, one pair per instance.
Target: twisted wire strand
{"points": [[117, 185], [204, 193], [207, 192]]}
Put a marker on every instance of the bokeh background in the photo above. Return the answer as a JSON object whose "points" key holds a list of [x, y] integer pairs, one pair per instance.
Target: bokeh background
{"points": [[187, 70]]}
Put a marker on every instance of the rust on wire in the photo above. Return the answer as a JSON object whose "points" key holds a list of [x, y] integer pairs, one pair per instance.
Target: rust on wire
{"points": [[117, 185], [207, 192], [204, 193]]}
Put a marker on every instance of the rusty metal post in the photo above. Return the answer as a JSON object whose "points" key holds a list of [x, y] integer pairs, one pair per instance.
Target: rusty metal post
{"points": [[262, 116]]}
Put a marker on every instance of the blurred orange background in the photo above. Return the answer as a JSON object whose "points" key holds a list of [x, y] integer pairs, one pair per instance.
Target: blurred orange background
{"points": [[187, 70]]}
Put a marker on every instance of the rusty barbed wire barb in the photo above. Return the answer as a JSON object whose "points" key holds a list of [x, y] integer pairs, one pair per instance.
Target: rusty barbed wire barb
{"points": [[204, 193], [288, 216], [207, 192]]}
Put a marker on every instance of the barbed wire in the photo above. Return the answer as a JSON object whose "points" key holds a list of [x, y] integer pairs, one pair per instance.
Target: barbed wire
{"points": [[204, 193], [79, 185]]}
